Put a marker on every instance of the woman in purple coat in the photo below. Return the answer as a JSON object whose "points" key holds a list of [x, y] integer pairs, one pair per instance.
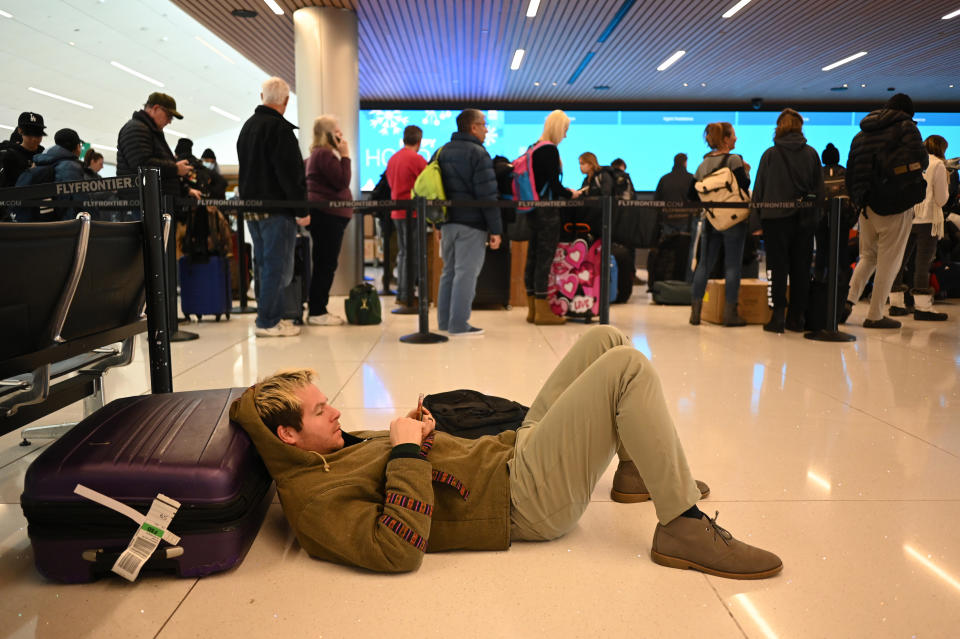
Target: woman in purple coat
{"points": [[328, 178]]}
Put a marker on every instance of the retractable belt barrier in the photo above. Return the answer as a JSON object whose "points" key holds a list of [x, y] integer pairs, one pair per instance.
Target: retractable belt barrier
{"points": [[33, 196]]}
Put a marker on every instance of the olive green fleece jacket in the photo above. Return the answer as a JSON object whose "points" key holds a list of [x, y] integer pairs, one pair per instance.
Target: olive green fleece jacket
{"points": [[357, 506]]}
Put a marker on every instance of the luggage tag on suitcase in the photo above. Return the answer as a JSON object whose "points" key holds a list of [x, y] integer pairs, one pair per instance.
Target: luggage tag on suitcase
{"points": [[153, 528]]}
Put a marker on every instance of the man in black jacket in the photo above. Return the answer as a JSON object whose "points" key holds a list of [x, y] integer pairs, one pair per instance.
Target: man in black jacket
{"points": [[16, 154], [141, 144], [271, 168], [467, 173], [885, 133]]}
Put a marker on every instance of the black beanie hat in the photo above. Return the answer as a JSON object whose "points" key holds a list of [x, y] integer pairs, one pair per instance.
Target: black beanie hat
{"points": [[830, 155], [901, 102], [184, 147], [208, 153]]}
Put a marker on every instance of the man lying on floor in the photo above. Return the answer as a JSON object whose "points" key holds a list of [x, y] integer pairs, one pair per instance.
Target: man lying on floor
{"points": [[380, 500]]}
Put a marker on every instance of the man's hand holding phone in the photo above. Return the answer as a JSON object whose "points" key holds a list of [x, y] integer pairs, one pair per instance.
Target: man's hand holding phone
{"points": [[423, 416]]}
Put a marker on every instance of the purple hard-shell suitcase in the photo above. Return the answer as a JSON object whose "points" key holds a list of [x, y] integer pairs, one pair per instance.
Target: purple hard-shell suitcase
{"points": [[180, 444]]}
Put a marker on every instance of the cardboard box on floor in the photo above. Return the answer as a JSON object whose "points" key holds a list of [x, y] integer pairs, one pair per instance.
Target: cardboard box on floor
{"points": [[753, 305]]}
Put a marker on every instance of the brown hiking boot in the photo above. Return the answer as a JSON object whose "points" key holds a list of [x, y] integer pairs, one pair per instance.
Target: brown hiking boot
{"points": [[628, 486], [702, 545], [543, 315], [530, 313]]}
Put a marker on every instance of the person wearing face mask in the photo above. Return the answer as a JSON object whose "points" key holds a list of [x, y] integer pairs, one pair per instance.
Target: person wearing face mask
{"points": [[218, 183]]}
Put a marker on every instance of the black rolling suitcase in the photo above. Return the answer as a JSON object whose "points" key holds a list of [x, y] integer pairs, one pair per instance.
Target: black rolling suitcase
{"points": [[180, 445], [493, 283], [297, 293]]}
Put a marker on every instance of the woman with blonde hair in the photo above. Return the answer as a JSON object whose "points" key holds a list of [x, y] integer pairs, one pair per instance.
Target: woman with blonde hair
{"points": [[789, 171], [596, 181], [328, 178], [721, 139], [545, 223]]}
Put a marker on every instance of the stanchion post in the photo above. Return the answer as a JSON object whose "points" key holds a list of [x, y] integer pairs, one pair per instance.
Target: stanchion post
{"points": [[176, 335], [606, 227], [244, 282], [423, 335], [155, 275], [830, 332]]}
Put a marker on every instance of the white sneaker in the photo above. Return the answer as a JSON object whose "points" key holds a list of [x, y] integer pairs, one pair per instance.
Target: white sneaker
{"points": [[327, 319], [283, 328]]}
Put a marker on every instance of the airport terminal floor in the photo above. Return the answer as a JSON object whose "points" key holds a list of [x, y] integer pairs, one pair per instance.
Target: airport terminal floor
{"points": [[841, 458]]}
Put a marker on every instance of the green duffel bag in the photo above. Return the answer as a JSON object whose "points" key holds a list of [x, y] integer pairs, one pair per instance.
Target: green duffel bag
{"points": [[362, 305], [672, 292]]}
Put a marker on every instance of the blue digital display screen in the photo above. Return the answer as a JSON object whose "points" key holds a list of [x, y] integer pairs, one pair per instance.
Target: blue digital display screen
{"points": [[646, 140]]}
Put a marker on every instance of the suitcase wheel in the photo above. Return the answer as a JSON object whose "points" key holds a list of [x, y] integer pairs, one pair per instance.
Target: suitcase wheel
{"points": [[218, 316]]}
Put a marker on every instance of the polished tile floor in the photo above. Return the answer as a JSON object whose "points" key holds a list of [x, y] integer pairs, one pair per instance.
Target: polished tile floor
{"points": [[842, 458]]}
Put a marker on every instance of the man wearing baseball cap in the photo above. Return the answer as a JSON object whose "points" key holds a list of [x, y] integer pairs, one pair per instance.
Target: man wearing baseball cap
{"points": [[16, 154], [64, 159], [141, 144]]}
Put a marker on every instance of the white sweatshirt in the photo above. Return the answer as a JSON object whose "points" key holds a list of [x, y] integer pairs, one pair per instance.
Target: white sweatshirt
{"points": [[930, 211]]}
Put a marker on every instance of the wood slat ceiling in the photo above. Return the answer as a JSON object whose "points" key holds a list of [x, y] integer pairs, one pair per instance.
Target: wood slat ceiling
{"points": [[455, 52]]}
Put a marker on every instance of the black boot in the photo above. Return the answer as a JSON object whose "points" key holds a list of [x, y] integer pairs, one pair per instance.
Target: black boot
{"points": [[731, 317], [695, 307], [795, 323], [776, 323]]}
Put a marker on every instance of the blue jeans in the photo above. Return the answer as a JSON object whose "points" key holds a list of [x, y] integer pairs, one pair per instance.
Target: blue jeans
{"points": [[273, 240], [463, 249], [732, 240]]}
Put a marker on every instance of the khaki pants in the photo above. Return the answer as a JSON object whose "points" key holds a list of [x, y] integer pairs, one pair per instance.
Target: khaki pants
{"points": [[604, 393], [883, 239]]}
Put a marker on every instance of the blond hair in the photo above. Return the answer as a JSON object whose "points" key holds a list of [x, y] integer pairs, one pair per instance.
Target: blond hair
{"points": [[555, 126], [590, 159], [276, 398], [324, 130]]}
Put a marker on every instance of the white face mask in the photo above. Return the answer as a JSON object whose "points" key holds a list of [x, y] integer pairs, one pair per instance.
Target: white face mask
{"points": [[209, 165]]}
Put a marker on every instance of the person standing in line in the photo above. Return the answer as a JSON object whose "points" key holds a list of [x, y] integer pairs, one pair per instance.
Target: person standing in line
{"points": [[141, 143], [328, 178], [402, 170], [16, 154], [545, 223], [92, 165], [467, 174], [271, 168], [722, 139], [789, 170], [922, 244], [887, 137], [218, 183]]}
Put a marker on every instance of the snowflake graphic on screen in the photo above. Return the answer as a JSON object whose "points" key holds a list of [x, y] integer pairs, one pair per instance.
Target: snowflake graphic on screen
{"points": [[434, 118], [388, 122], [492, 136]]}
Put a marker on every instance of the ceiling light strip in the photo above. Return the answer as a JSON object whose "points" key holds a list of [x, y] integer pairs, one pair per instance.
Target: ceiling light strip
{"points": [[175, 132], [532, 8], [952, 14], [732, 11], [60, 97], [616, 20], [517, 59], [142, 76], [4, 126], [583, 65], [844, 61], [274, 7], [225, 114], [5, 14], [214, 49], [666, 64], [104, 147]]}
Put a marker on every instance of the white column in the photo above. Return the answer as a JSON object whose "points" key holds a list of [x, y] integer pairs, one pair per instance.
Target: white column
{"points": [[325, 50]]}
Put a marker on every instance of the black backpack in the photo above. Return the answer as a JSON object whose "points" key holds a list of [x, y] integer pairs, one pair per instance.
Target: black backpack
{"points": [[896, 182], [471, 414], [622, 184]]}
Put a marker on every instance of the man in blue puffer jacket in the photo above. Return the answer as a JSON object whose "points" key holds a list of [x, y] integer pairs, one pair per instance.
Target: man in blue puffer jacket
{"points": [[467, 173], [64, 157]]}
